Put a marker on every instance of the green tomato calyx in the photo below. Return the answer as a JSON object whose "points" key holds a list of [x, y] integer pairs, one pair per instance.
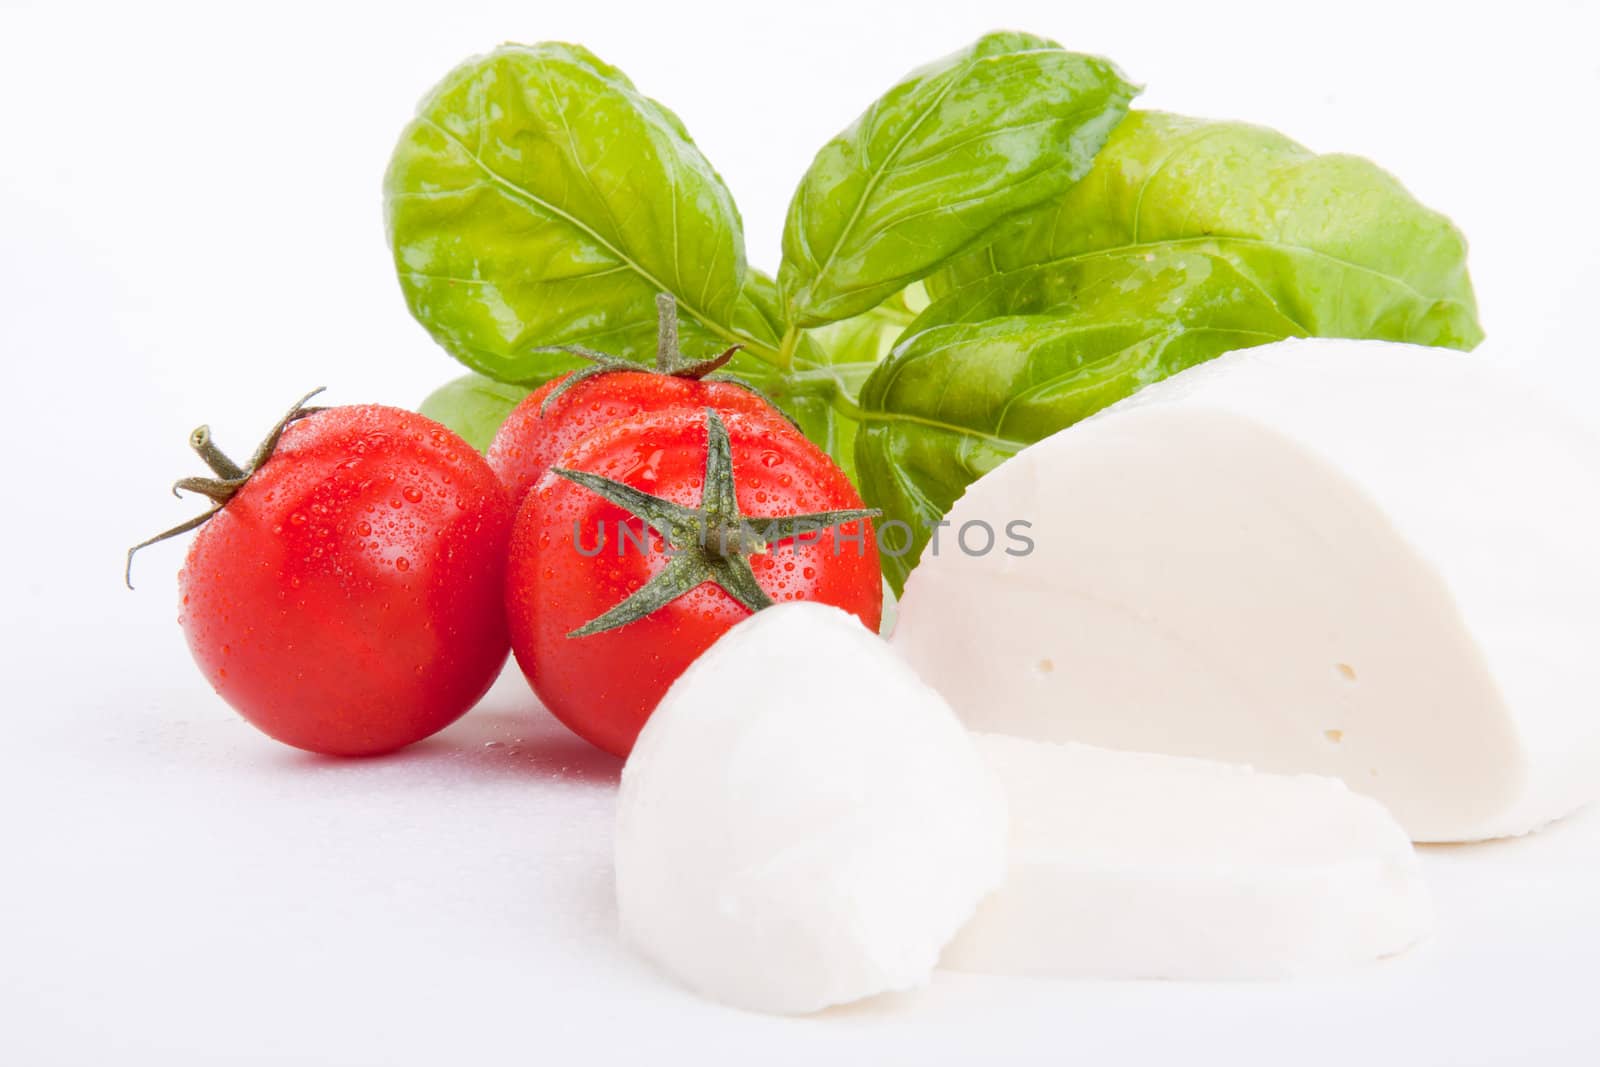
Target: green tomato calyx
{"points": [[228, 478], [669, 356], [710, 543]]}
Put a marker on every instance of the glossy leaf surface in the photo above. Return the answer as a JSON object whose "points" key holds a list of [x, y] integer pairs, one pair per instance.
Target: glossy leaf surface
{"points": [[1338, 243], [1001, 126], [1006, 362], [539, 199]]}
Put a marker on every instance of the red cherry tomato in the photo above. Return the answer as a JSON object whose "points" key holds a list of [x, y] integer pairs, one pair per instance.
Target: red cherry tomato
{"points": [[605, 685], [535, 436], [348, 598]]}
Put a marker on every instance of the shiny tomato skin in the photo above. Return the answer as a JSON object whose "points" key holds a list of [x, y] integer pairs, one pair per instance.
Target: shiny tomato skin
{"points": [[348, 599], [529, 441], [604, 686]]}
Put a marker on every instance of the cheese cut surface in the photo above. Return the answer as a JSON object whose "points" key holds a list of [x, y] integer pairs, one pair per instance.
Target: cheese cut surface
{"points": [[1374, 561], [1130, 865], [803, 822]]}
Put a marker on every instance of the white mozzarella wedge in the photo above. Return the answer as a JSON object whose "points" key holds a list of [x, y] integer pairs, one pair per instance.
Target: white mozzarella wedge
{"points": [[803, 822], [1373, 561], [1131, 865]]}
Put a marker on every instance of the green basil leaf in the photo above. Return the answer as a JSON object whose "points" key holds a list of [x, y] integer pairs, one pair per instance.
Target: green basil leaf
{"points": [[1186, 240], [1012, 359], [473, 406], [1006, 124], [1339, 244], [539, 199]]}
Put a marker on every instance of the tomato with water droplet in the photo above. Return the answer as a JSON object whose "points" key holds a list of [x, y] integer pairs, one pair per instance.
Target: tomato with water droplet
{"points": [[394, 630], [535, 434], [576, 556]]}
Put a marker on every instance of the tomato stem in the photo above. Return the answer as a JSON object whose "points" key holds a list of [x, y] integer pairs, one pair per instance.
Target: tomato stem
{"points": [[669, 356], [230, 477], [667, 353], [214, 457]]}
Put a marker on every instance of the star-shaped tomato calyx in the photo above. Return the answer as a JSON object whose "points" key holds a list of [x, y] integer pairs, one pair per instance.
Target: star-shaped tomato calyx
{"points": [[710, 543]]}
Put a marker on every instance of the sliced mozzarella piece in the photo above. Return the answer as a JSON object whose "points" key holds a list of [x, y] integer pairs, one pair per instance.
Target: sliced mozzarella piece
{"points": [[1374, 561], [1130, 865], [803, 822]]}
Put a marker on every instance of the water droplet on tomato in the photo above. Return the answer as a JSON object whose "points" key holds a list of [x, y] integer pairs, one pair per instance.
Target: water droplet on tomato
{"points": [[364, 528], [298, 519], [412, 493], [770, 459], [402, 564]]}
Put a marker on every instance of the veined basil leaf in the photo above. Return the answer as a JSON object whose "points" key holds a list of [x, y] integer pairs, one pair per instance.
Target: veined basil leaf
{"points": [[1009, 360], [1006, 124], [1339, 244], [474, 406], [1187, 239], [539, 199]]}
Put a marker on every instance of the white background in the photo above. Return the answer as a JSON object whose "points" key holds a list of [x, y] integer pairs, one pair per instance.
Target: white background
{"points": [[190, 230]]}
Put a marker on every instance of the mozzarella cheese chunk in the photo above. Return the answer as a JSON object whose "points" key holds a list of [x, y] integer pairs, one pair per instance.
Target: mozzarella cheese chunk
{"points": [[1373, 561], [1130, 865], [803, 822]]}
